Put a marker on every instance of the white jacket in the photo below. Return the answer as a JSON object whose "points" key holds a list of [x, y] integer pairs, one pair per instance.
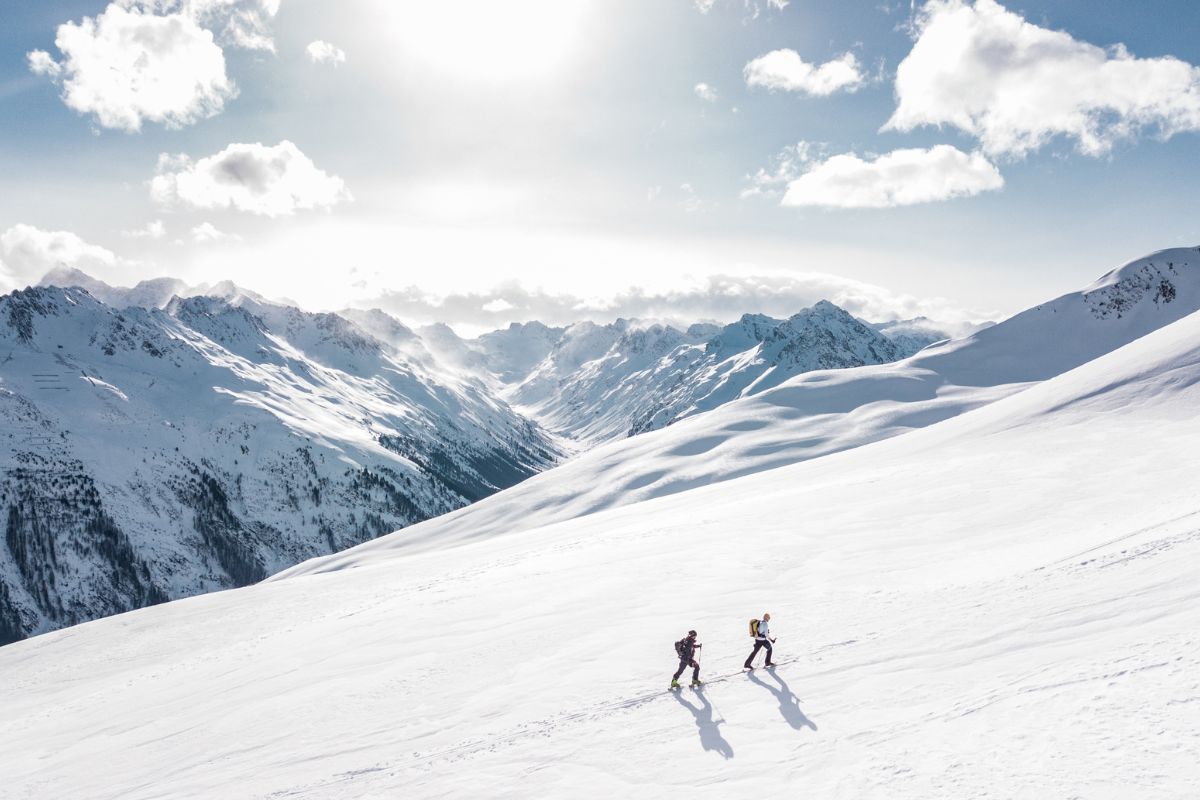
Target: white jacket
{"points": [[764, 630]]}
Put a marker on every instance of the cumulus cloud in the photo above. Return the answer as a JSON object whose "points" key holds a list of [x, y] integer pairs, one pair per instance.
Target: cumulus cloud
{"points": [[706, 93], [127, 66], [325, 53], [899, 178], [151, 230], [42, 63], [154, 60], [270, 181], [27, 253], [785, 70], [206, 233], [1016, 86], [245, 24]]}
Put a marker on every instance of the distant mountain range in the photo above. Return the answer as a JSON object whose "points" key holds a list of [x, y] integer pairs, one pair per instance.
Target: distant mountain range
{"points": [[823, 412], [167, 440]]}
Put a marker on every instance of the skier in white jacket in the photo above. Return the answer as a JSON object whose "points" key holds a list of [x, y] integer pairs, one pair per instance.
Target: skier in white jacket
{"points": [[762, 639]]}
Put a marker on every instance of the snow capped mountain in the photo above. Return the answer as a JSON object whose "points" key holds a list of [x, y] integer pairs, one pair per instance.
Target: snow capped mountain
{"points": [[211, 437], [966, 607], [156, 453], [514, 352], [300, 434], [151, 293], [823, 412], [599, 383]]}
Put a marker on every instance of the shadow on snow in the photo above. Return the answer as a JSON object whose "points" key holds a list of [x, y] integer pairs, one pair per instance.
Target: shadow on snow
{"points": [[710, 733], [789, 704]]}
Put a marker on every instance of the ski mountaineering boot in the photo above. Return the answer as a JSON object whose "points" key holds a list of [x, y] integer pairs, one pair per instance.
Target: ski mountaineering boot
{"points": [[674, 684], [697, 682]]}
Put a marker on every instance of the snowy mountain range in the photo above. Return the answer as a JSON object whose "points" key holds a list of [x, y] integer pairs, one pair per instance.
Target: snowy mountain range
{"points": [[599, 383], [167, 440], [824, 412], [157, 453], [1000, 601]]}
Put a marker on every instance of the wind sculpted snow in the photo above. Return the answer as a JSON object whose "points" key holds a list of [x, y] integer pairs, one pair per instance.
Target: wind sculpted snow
{"points": [[1003, 603]]}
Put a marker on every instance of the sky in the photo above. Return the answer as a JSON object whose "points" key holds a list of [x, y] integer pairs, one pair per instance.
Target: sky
{"points": [[479, 162]]}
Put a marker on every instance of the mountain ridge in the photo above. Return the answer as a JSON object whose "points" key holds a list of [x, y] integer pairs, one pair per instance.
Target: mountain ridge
{"points": [[817, 414], [208, 443], [185, 440]]}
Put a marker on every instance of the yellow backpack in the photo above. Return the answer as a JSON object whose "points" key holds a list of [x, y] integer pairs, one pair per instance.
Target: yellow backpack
{"points": [[754, 628]]}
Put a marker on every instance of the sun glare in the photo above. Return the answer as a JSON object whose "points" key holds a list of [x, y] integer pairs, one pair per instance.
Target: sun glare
{"points": [[489, 40]]}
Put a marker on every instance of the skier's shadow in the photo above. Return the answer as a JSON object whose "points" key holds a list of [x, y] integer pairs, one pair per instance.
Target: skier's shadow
{"points": [[710, 733], [789, 704]]}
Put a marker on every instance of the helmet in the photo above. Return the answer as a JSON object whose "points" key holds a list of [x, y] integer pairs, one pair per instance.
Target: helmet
{"points": [[692, 634]]}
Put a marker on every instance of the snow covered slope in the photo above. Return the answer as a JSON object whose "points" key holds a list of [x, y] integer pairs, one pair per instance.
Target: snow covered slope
{"points": [[824, 412], [167, 440], [156, 454], [1002, 604]]}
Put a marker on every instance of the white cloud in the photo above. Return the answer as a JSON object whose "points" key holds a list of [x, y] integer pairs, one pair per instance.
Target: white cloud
{"points": [[127, 66], [245, 24], [152, 230], [206, 233], [154, 60], [787, 71], [783, 169], [42, 63], [1015, 86], [719, 297], [242, 23], [706, 93], [271, 181], [27, 253], [497, 306], [899, 178], [325, 53]]}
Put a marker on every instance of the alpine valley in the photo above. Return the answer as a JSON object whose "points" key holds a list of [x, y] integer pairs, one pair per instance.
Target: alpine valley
{"points": [[165, 441]]}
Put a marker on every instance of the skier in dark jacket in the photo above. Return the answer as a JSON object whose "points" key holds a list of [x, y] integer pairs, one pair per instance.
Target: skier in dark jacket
{"points": [[686, 648], [762, 639]]}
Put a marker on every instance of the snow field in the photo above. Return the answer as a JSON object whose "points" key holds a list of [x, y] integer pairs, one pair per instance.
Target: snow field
{"points": [[1000, 605]]}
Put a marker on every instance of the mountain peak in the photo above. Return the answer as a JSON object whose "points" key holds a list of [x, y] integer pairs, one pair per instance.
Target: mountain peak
{"points": [[66, 277]]}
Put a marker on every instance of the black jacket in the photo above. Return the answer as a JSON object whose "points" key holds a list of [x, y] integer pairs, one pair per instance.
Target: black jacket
{"points": [[687, 649]]}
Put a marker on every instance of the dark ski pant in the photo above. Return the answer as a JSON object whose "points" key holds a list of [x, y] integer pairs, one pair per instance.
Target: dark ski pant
{"points": [[684, 663], [758, 645]]}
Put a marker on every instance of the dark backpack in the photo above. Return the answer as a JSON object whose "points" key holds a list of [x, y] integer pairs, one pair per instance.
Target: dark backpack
{"points": [[679, 647]]}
